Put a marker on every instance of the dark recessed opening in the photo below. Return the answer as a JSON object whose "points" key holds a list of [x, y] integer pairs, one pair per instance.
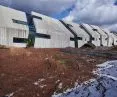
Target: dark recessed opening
{"points": [[72, 39], [79, 38], [43, 36], [69, 25], [19, 40], [92, 38], [81, 26], [106, 39], [37, 17], [95, 30], [19, 22]]}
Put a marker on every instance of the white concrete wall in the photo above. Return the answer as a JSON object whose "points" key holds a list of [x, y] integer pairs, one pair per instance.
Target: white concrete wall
{"points": [[94, 34], [6, 16], [9, 29], [104, 36], [115, 38], [56, 41], [60, 35], [80, 33], [110, 38], [7, 35]]}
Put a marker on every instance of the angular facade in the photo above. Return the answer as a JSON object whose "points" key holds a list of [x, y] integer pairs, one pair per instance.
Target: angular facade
{"points": [[50, 33], [81, 36], [14, 30], [103, 35], [16, 27], [115, 39], [110, 37], [94, 36]]}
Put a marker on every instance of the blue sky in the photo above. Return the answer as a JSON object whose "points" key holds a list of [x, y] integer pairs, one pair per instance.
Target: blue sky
{"points": [[64, 13], [97, 12]]}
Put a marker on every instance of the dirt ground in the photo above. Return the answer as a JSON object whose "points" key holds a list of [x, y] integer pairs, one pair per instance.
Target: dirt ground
{"points": [[29, 72]]}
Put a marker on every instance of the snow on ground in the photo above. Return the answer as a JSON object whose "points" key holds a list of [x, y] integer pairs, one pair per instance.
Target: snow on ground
{"points": [[104, 86], [60, 85], [9, 95], [39, 81]]}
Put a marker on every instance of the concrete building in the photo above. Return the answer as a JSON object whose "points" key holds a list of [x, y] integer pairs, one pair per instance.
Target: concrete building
{"points": [[13, 27], [94, 36], [110, 37], [103, 35], [81, 36], [50, 33], [115, 38]]}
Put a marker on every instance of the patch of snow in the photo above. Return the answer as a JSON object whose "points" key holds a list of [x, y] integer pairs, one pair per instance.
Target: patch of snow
{"points": [[104, 86], [36, 83], [60, 85], [57, 81], [39, 81], [9, 95], [42, 86], [111, 77], [108, 68]]}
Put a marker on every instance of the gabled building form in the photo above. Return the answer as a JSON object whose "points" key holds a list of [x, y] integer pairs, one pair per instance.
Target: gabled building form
{"points": [[115, 38], [14, 30], [18, 28], [103, 35], [81, 36], [94, 36], [50, 33], [110, 37]]}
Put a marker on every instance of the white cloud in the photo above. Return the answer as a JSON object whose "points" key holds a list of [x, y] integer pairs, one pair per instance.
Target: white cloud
{"points": [[112, 27], [98, 12]]}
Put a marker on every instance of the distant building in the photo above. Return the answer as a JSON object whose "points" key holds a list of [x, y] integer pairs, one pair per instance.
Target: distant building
{"points": [[14, 30]]}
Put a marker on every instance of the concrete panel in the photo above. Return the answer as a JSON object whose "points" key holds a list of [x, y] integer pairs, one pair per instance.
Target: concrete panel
{"points": [[7, 15], [72, 44], [104, 36], [60, 36], [79, 32], [7, 35], [42, 43], [110, 38], [94, 35], [13, 23], [56, 41], [115, 38]]}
